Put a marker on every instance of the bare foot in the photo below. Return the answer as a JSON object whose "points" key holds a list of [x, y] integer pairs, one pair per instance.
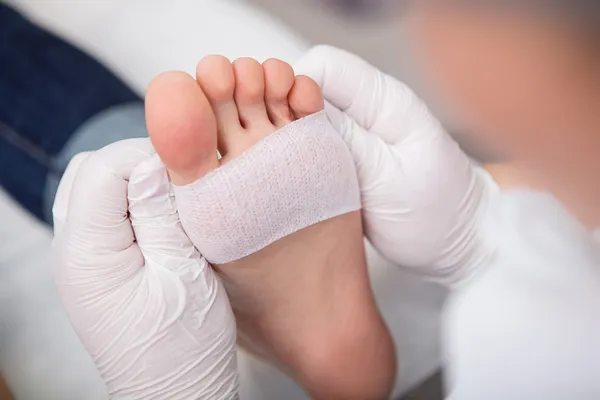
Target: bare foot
{"points": [[303, 302]]}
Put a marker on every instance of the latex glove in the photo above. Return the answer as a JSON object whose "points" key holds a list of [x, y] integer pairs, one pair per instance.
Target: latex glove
{"points": [[145, 304], [421, 194]]}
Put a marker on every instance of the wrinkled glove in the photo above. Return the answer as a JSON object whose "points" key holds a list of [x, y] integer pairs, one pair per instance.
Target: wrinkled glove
{"points": [[146, 305], [421, 194]]}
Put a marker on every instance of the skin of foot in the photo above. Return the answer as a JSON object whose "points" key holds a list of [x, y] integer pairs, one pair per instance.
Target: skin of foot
{"points": [[304, 302]]}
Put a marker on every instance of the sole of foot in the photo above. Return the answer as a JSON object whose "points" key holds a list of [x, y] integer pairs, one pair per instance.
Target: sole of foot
{"points": [[301, 303]]}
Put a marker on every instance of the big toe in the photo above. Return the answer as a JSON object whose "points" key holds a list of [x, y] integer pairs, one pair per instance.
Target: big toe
{"points": [[306, 97], [182, 126]]}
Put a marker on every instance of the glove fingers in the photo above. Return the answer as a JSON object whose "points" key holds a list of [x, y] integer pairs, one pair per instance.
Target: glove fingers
{"points": [[342, 76], [60, 208], [364, 146], [154, 216], [377, 102], [94, 232], [98, 209]]}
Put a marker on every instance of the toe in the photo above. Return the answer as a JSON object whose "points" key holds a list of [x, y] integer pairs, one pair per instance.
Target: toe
{"points": [[182, 126], [279, 80], [250, 95], [305, 98], [215, 76]]}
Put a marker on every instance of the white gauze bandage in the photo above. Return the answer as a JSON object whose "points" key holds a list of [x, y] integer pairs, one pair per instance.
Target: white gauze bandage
{"points": [[300, 175]]}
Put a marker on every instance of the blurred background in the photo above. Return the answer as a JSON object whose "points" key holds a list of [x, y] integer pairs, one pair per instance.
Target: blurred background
{"points": [[72, 78], [374, 29]]}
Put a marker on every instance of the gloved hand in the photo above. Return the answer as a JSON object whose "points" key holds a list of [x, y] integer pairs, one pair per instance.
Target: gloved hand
{"points": [[146, 305], [421, 194]]}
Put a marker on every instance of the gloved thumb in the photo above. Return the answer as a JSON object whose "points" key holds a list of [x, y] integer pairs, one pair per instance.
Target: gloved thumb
{"points": [[379, 103], [93, 231], [372, 111], [61, 201], [366, 148], [154, 217]]}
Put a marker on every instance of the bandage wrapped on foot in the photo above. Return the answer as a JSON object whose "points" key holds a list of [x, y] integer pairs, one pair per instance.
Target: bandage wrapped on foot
{"points": [[421, 195], [145, 302], [299, 176], [157, 321]]}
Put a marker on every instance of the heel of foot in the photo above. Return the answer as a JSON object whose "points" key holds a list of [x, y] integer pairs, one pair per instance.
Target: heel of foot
{"points": [[351, 365]]}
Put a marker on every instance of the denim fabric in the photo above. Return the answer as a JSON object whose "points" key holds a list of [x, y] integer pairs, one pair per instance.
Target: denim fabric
{"points": [[117, 123], [48, 91]]}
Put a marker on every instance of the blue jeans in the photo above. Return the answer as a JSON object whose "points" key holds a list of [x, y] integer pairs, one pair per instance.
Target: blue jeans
{"points": [[55, 101]]}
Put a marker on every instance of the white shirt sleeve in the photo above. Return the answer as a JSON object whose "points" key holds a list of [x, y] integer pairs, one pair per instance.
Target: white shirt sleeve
{"points": [[528, 325]]}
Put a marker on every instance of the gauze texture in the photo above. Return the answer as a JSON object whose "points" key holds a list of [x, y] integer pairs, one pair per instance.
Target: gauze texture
{"points": [[300, 175]]}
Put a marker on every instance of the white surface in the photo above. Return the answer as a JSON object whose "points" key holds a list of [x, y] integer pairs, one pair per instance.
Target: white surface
{"points": [[140, 39], [39, 353], [526, 327]]}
